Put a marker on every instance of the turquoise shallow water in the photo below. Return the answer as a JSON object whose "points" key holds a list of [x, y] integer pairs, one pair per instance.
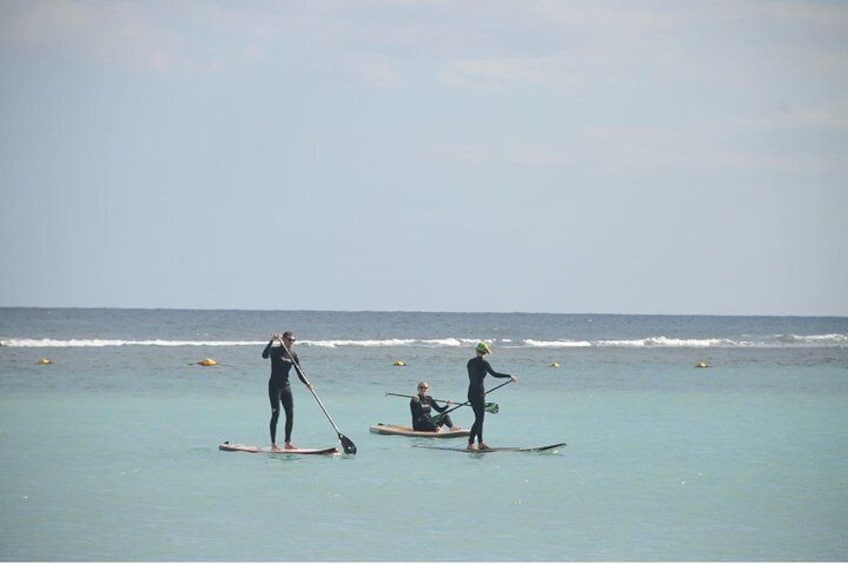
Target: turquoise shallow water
{"points": [[110, 453]]}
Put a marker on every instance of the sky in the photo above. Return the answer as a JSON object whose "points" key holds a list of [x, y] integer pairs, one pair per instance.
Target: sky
{"points": [[630, 157]]}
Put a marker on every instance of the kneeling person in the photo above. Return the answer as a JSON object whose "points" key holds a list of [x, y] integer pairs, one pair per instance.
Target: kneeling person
{"points": [[422, 406]]}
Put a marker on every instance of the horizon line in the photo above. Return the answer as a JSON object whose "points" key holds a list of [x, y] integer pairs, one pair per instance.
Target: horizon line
{"points": [[415, 311]]}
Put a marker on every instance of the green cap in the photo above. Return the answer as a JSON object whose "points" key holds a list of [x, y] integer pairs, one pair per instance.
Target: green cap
{"points": [[483, 348]]}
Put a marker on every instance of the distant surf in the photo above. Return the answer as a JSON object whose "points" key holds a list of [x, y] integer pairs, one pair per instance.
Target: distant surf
{"points": [[762, 342]]}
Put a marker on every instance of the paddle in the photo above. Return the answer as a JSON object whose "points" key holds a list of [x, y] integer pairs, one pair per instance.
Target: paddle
{"points": [[440, 417], [490, 406], [347, 445]]}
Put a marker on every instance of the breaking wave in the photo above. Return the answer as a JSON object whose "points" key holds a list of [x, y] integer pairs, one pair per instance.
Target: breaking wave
{"points": [[751, 342]]}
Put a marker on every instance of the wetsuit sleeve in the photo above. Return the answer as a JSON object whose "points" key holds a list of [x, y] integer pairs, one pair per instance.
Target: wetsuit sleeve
{"points": [[267, 351], [494, 373], [436, 406], [415, 410], [297, 370]]}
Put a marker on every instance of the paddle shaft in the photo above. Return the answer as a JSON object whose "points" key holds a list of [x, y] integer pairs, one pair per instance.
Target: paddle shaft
{"points": [[466, 403], [348, 445], [490, 406], [416, 396]]}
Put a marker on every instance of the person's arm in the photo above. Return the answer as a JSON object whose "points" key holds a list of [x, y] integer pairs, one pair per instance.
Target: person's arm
{"points": [[494, 373], [436, 406], [267, 351], [297, 370]]}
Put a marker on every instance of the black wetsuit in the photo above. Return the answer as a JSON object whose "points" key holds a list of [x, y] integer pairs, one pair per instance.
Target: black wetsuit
{"points": [[478, 367], [279, 389], [421, 406]]}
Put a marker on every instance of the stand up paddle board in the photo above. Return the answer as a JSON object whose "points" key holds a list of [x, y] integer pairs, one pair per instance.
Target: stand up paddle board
{"points": [[227, 446], [392, 430], [551, 448]]}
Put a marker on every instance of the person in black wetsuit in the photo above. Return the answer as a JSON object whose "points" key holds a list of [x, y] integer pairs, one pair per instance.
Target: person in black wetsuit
{"points": [[478, 368], [421, 407], [279, 389]]}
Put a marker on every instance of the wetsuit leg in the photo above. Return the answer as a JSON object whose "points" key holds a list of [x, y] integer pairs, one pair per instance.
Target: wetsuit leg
{"points": [[423, 426], [478, 404], [447, 421], [288, 405], [274, 398]]}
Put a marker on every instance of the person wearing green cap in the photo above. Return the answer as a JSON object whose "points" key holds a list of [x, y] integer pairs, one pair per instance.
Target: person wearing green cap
{"points": [[478, 368]]}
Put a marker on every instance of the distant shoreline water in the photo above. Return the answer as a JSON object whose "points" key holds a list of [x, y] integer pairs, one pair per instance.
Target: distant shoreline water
{"points": [[448, 312], [118, 327]]}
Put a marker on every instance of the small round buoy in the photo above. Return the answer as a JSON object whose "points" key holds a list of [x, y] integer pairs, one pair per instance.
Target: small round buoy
{"points": [[207, 362], [554, 364], [399, 363], [701, 364], [45, 361]]}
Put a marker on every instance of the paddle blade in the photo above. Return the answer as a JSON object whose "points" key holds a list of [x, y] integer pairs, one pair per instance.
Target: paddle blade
{"points": [[492, 407], [347, 445]]}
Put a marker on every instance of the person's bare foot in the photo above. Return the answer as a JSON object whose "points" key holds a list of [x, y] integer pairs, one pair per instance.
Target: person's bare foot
{"points": [[483, 446], [471, 447], [275, 447], [290, 446]]}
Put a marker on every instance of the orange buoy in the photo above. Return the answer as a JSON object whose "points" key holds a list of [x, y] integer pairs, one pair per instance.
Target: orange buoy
{"points": [[207, 362], [45, 361]]}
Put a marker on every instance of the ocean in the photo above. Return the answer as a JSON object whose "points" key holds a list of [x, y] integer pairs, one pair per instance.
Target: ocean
{"points": [[110, 451]]}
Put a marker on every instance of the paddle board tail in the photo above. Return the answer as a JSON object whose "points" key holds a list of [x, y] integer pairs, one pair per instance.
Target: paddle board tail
{"points": [[552, 448], [390, 429], [246, 448]]}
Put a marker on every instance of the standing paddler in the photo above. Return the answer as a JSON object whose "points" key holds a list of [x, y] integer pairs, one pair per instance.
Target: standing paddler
{"points": [[478, 367], [279, 389]]}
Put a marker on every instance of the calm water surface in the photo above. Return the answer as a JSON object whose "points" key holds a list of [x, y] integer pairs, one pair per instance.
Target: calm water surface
{"points": [[110, 453]]}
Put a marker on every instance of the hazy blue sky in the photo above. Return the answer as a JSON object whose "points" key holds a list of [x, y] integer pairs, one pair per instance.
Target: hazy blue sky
{"points": [[545, 156]]}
